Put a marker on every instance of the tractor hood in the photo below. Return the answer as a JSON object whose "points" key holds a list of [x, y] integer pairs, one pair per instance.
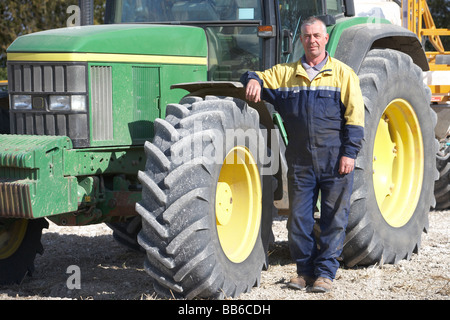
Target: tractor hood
{"points": [[118, 39]]}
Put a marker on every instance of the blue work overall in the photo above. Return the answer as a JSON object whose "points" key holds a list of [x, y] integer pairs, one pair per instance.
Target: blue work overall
{"points": [[324, 119]]}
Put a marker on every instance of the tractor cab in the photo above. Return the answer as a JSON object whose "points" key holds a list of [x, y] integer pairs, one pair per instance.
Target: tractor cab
{"points": [[242, 34]]}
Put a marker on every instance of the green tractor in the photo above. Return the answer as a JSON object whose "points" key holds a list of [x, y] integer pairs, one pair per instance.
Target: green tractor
{"points": [[142, 124]]}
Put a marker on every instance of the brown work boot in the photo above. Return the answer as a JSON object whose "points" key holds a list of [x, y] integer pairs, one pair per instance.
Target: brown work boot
{"points": [[300, 282], [321, 285]]}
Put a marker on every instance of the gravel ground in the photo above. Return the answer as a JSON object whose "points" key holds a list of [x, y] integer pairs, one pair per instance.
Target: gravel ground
{"points": [[111, 272]]}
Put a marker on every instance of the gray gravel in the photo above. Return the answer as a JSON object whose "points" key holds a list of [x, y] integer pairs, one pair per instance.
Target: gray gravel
{"points": [[110, 271]]}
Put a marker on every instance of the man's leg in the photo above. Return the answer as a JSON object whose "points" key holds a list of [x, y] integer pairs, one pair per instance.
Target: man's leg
{"points": [[303, 191], [335, 206]]}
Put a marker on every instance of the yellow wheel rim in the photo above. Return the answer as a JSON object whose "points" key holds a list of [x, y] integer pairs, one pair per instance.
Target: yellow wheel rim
{"points": [[238, 204], [398, 163], [11, 238]]}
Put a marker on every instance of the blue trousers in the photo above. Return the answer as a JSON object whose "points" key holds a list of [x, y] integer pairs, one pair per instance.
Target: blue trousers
{"points": [[335, 189]]}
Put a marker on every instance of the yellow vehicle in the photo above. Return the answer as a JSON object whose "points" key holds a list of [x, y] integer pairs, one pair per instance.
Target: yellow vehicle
{"points": [[421, 23]]}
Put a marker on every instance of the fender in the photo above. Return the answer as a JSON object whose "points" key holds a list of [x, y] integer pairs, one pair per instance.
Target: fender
{"points": [[368, 36], [229, 89]]}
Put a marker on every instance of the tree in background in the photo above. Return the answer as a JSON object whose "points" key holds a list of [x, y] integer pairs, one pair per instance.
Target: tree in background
{"points": [[20, 17]]}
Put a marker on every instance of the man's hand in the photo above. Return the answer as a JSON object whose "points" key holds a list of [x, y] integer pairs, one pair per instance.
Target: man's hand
{"points": [[346, 165], [253, 91]]}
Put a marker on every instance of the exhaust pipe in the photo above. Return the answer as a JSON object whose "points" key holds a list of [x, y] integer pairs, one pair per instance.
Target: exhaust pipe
{"points": [[87, 12]]}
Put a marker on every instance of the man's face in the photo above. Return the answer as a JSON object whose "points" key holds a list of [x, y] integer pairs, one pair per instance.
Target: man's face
{"points": [[314, 40]]}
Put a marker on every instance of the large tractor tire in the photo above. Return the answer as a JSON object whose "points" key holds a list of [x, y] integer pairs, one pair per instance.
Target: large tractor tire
{"points": [[126, 232], [20, 240], [396, 167], [442, 186], [206, 209]]}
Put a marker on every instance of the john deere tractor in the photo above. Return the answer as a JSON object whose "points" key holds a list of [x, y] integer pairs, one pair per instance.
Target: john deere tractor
{"points": [[141, 123]]}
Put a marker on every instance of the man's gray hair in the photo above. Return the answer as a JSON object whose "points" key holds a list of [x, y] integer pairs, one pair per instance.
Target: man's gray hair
{"points": [[311, 21]]}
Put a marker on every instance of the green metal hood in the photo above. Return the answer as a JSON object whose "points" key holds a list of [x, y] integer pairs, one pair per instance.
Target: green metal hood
{"points": [[117, 38]]}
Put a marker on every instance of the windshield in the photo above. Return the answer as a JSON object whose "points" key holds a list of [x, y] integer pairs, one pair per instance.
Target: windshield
{"points": [[129, 11], [233, 46]]}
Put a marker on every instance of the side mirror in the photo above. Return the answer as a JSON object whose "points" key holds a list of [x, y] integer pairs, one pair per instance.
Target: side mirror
{"points": [[349, 8], [287, 41]]}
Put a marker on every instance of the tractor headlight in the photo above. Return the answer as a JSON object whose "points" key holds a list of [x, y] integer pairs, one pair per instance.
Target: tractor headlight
{"points": [[78, 103], [67, 103], [59, 103], [21, 102]]}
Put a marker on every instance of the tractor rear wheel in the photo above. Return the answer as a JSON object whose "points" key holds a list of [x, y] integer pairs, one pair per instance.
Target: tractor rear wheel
{"points": [[20, 240], [442, 186], [206, 209], [396, 167]]}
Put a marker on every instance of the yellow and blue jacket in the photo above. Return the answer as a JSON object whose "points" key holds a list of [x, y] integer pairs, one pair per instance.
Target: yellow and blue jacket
{"points": [[324, 118]]}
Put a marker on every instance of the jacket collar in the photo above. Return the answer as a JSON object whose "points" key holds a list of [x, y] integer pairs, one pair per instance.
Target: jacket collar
{"points": [[326, 69]]}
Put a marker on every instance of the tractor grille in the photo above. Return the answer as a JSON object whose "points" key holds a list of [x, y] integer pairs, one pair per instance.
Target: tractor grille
{"points": [[40, 81], [47, 78], [101, 102]]}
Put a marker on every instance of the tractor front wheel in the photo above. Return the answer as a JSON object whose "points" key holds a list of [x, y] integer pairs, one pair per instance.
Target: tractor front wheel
{"points": [[20, 240], [206, 208]]}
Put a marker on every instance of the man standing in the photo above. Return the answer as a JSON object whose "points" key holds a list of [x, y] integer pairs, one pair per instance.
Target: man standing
{"points": [[320, 101]]}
